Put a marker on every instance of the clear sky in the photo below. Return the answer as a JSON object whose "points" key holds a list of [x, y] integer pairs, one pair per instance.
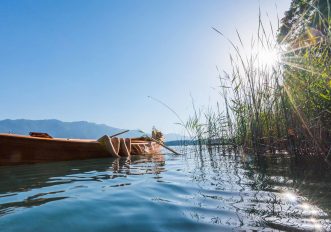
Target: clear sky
{"points": [[98, 61]]}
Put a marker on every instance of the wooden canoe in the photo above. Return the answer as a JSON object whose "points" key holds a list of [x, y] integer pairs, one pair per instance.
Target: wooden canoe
{"points": [[21, 149]]}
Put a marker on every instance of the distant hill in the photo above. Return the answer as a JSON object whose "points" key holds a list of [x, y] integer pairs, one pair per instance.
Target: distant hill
{"points": [[59, 129]]}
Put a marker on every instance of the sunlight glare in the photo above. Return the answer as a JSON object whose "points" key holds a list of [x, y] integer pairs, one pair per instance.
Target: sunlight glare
{"points": [[309, 208], [305, 206], [268, 57], [290, 196], [316, 224]]}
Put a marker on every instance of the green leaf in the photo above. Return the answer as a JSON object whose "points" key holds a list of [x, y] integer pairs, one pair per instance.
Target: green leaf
{"points": [[326, 97]]}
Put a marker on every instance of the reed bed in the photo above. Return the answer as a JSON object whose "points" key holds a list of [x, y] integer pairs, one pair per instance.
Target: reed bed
{"points": [[277, 96]]}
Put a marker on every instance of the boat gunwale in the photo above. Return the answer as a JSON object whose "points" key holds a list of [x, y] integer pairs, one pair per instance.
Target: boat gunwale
{"points": [[16, 136], [68, 140]]}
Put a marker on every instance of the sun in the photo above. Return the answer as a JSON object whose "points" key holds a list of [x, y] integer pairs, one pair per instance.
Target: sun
{"points": [[268, 57]]}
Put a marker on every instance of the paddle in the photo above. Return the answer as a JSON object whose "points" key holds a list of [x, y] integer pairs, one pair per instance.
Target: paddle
{"points": [[166, 147], [111, 136], [158, 142]]}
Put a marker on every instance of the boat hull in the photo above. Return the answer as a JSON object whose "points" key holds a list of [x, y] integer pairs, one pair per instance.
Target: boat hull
{"points": [[17, 149]]}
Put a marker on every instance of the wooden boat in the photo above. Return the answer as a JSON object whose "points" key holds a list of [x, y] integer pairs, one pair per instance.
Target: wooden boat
{"points": [[40, 147]]}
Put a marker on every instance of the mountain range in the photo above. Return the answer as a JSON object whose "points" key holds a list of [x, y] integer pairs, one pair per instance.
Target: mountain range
{"points": [[59, 129]]}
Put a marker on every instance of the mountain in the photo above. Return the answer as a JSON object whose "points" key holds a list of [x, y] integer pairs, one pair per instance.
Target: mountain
{"points": [[59, 129]]}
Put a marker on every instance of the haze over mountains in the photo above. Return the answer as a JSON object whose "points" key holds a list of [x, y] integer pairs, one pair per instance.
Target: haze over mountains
{"points": [[59, 129]]}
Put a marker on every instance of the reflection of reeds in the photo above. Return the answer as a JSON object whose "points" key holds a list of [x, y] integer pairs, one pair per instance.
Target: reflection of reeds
{"points": [[284, 105]]}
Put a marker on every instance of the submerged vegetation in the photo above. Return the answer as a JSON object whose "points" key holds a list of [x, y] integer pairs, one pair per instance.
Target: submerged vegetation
{"points": [[277, 96]]}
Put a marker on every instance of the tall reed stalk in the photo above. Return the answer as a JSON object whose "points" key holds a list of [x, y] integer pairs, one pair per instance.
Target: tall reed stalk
{"points": [[276, 96]]}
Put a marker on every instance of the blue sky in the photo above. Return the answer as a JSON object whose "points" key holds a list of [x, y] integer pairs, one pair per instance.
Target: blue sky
{"points": [[99, 60]]}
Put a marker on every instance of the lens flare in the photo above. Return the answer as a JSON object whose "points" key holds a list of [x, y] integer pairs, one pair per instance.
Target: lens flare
{"points": [[268, 57]]}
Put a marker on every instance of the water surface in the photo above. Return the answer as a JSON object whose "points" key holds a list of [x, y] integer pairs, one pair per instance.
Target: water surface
{"points": [[208, 192]]}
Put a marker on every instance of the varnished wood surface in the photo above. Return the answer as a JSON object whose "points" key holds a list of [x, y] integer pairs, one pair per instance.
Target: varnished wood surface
{"points": [[20, 149]]}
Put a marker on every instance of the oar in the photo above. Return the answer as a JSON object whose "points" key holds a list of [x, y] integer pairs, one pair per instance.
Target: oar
{"points": [[166, 147], [111, 136], [158, 142]]}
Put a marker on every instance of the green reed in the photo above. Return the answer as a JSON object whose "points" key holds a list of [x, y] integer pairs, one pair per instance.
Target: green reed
{"points": [[280, 105]]}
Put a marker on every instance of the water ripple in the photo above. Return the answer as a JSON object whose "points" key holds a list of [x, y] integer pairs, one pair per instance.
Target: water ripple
{"points": [[162, 193]]}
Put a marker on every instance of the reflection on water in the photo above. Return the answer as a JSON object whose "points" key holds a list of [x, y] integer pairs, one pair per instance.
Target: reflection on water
{"points": [[213, 191]]}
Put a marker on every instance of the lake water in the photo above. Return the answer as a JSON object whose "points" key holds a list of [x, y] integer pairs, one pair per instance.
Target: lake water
{"points": [[193, 192]]}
